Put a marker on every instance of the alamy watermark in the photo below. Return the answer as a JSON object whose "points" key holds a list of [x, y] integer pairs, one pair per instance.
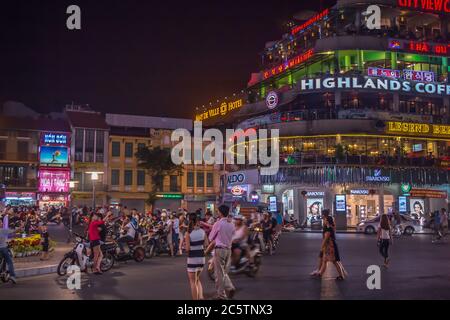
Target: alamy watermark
{"points": [[253, 147]]}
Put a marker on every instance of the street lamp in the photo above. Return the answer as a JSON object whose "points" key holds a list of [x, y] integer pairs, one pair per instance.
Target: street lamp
{"points": [[94, 178], [71, 186]]}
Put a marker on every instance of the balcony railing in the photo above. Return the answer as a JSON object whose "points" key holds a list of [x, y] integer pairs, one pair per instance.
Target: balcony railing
{"points": [[12, 156], [19, 183]]}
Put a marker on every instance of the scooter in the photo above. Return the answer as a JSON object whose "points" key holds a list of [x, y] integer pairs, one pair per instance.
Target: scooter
{"points": [[248, 266], [4, 273], [78, 256]]}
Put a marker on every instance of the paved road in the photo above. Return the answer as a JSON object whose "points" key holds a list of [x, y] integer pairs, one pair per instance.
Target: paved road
{"points": [[419, 270]]}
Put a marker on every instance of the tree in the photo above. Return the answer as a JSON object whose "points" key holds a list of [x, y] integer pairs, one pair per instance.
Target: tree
{"points": [[158, 163]]}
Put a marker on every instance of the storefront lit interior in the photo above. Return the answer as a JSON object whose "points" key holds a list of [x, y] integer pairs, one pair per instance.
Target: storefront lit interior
{"points": [[365, 207], [371, 149]]}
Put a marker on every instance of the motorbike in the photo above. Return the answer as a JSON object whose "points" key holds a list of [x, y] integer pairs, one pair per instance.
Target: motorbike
{"points": [[4, 273], [250, 267], [135, 252], [156, 243], [78, 256]]}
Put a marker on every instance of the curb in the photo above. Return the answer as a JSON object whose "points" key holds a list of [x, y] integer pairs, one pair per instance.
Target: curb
{"points": [[352, 232], [30, 272]]}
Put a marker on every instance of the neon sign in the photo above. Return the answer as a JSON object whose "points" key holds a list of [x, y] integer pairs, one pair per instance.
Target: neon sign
{"points": [[52, 138], [420, 47], [411, 75], [311, 21], [54, 181], [378, 72], [436, 6], [222, 110], [394, 85], [418, 129], [289, 64]]}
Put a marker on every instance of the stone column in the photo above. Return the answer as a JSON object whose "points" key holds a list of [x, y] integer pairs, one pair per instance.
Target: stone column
{"points": [[381, 199], [396, 102]]}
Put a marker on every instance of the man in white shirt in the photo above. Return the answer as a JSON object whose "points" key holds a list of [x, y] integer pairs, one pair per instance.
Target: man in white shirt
{"points": [[130, 233]]}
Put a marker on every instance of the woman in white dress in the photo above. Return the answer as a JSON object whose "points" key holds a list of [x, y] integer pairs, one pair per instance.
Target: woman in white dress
{"points": [[195, 241]]}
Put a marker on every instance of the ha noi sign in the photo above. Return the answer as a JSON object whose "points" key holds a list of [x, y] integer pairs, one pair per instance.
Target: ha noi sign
{"points": [[434, 6], [220, 111]]}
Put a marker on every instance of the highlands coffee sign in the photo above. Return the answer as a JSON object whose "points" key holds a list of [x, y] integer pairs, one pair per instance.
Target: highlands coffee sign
{"points": [[435, 6], [394, 85]]}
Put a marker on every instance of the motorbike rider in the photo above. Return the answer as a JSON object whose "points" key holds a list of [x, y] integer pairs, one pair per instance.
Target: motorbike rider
{"points": [[239, 241], [129, 234]]}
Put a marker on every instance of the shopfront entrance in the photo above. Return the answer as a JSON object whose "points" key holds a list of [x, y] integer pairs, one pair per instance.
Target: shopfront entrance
{"points": [[365, 205]]}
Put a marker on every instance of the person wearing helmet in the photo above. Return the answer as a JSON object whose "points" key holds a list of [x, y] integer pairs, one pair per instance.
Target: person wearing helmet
{"points": [[239, 240]]}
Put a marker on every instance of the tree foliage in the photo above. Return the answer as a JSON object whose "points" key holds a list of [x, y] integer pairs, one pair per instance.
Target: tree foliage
{"points": [[158, 163]]}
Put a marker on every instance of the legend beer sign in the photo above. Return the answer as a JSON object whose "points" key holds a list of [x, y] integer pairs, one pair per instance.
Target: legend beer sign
{"points": [[435, 6], [418, 129]]}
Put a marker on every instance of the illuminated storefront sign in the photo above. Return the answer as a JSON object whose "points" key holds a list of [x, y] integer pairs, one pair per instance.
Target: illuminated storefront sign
{"points": [[222, 110], [411, 75], [420, 47], [359, 192], [238, 190], [428, 193], [288, 64], [54, 156], [378, 177], [379, 72], [54, 181], [402, 204], [268, 188], [324, 14], [418, 129], [170, 196], [272, 100], [315, 194], [54, 138], [380, 84], [435, 6]]}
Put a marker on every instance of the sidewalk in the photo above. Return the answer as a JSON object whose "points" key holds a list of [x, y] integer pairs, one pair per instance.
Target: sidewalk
{"points": [[354, 231], [32, 266]]}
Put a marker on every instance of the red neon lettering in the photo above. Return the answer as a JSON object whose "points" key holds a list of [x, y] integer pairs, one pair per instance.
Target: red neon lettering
{"points": [[438, 4], [310, 21], [446, 6]]}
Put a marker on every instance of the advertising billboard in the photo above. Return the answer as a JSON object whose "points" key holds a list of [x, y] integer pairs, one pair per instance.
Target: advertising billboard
{"points": [[341, 204], [52, 156], [54, 181]]}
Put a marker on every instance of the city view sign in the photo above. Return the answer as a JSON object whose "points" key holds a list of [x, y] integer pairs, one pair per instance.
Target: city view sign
{"points": [[435, 6], [222, 110]]}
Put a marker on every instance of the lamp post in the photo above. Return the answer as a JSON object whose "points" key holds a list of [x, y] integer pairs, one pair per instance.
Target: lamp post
{"points": [[94, 178], [71, 186]]}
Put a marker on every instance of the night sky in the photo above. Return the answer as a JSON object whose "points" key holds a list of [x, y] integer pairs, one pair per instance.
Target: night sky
{"points": [[160, 58]]}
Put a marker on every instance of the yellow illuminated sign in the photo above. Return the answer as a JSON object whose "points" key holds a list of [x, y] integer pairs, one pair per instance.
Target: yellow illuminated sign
{"points": [[221, 110], [418, 129]]}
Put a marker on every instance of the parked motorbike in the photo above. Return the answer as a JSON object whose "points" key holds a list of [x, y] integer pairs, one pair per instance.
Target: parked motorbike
{"points": [[4, 273], [135, 252], [78, 256]]}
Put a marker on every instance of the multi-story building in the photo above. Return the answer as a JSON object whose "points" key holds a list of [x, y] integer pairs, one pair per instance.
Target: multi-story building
{"points": [[130, 185], [89, 154], [362, 114], [33, 168]]}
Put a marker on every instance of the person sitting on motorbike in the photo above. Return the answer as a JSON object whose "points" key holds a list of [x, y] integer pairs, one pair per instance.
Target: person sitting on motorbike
{"points": [[129, 231], [239, 241]]}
